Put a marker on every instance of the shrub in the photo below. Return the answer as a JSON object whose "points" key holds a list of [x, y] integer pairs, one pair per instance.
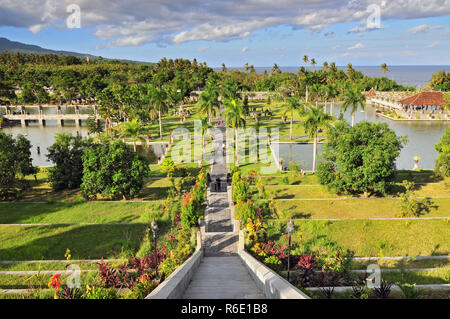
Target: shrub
{"points": [[144, 287], [273, 262], [410, 205], [240, 191], [93, 292], [409, 291], [384, 290]]}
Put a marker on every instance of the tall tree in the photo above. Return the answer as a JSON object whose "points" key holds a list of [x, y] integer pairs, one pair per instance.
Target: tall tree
{"points": [[292, 106], [353, 98], [15, 164], [305, 59], [234, 115], [113, 170], [360, 159], [158, 99], [208, 102], [66, 154], [315, 119], [384, 68], [133, 130]]}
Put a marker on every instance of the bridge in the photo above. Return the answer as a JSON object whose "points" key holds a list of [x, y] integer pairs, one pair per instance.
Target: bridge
{"points": [[41, 117]]}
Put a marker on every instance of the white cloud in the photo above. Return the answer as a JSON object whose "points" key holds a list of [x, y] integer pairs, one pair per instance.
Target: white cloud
{"points": [[203, 49], [134, 22], [424, 28], [244, 49], [357, 46], [432, 45]]}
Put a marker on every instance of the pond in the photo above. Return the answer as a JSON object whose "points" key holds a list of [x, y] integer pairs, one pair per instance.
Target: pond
{"points": [[422, 136]]}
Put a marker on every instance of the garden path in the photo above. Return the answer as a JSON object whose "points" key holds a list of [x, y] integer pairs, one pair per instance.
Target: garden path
{"points": [[221, 273]]}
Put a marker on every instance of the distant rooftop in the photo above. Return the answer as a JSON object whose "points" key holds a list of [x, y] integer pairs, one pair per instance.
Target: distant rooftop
{"points": [[424, 99]]}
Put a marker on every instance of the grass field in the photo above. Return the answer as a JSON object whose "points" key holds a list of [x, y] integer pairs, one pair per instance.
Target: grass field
{"points": [[85, 242], [83, 212], [351, 209], [370, 238]]}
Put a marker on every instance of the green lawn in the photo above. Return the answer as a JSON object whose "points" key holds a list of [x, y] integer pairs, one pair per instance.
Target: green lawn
{"points": [[401, 264], [83, 212], [370, 238], [350, 209], [286, 192], [85, 242]]}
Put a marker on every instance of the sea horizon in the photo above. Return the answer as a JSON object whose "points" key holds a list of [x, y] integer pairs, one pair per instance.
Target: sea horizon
{"points": [[408, 75]]}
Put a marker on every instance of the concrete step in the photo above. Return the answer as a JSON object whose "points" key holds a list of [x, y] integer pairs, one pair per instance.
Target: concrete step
{"points": [[220, 243], [222, 278]]}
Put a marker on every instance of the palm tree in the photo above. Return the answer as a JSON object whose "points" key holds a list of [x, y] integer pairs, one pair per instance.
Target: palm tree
{"points": [[205, 126], [315, 119], [384, 68], [252, 68], [208, 102], [275, 69], [292, 105], [234, 115], [350, 71], [353, 98], [305, 59], [224, 68], [133, 130], [332, 93], [325, 66], [246, 66], [158, 98], [333, 67], [313, 63], [316, 91]]}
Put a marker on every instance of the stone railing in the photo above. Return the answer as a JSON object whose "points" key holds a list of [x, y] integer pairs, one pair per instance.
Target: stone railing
{"points": [[272, 284], [175, 285]]}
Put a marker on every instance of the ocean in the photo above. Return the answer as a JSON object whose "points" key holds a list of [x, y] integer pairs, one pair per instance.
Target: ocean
{"points": [[410, 75]]}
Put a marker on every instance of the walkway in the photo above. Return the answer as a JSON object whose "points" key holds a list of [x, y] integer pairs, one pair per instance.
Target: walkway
{"points": [[221, 273]]}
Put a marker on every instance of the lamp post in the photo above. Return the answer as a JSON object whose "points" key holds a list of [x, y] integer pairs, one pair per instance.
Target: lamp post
{"points": [[290, 230], [154, 227]]}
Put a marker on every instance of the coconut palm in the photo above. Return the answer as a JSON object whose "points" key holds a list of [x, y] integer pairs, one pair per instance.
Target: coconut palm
{"points": [[315, 119], [158, 99], [305, 59], [133, 130], [350, 71], [246, 66], [353, 98], [333, 67], [325, 66], [234, 115], [208, 102], [332, 93], [205, 125], [313, 62], [384, 68], [292, 105], [224, 68], [275, 69]]}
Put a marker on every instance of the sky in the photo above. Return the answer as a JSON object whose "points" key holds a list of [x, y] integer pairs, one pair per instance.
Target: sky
{"points": [[260, 32]]}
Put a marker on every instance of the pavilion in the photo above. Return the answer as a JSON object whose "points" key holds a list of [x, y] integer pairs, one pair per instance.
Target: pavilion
{"points": [[424, 101]]}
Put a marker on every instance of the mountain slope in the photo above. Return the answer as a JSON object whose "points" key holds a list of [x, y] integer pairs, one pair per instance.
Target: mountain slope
{"points": [[7, 45]]}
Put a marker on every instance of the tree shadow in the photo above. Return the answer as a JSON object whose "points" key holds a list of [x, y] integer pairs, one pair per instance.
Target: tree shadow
{"points": [[84, 241]]}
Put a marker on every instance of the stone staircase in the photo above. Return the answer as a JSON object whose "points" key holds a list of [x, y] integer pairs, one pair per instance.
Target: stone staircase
{"points": [[221, 273]]}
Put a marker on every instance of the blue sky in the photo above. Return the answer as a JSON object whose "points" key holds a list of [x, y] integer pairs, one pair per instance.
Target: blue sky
{"points": [[258, 32]]}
